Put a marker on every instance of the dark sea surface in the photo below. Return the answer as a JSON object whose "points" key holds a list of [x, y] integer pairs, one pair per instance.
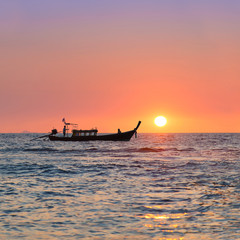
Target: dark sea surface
{"points": [[158, 186]]}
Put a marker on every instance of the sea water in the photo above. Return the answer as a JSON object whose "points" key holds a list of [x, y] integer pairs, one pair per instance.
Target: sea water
{"points": [[157, 186]]}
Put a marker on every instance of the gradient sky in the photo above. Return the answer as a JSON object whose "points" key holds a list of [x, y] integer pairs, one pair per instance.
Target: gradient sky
{"points": [[111, 63]]}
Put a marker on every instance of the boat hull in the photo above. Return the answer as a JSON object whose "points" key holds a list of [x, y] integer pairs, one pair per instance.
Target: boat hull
{"points": [[120, 136], [125, 136]]}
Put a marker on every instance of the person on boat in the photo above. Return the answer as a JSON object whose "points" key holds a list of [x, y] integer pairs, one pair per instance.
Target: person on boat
{"points": [[119, 131], [64, 130]]}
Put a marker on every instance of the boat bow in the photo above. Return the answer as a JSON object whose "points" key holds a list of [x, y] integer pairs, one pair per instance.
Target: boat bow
{"points": [[136, 128]]}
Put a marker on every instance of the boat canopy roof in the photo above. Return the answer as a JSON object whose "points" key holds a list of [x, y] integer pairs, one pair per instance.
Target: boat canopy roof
{"points": [[85, 131]]}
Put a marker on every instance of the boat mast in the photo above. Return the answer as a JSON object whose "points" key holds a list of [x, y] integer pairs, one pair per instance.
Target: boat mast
{"points": [[68, 124]]}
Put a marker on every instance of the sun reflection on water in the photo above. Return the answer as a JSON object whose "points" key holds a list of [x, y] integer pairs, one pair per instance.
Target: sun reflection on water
{"points": [[155, 206], [163, 222], [150, 215], [163, 217], [181, 238]]}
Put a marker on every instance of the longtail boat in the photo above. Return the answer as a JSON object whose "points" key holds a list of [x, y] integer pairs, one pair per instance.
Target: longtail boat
{"points": [[90, 135]]}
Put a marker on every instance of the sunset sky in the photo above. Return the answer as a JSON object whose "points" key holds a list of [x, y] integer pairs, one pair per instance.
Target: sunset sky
{"points": [[108, 64]]}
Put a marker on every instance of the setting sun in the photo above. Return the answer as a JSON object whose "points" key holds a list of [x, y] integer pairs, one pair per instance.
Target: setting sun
{"points": [[160, 121]]}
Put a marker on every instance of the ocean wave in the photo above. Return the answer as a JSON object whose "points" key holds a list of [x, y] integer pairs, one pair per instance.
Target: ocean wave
{"points": [[92, 149], [54, 193], [43, 149], [58, 171], [23, 168], [146, 149], [149, 149]]}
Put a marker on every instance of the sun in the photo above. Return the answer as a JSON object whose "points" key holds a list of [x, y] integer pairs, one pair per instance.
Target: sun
{"points": [[160, 121]]}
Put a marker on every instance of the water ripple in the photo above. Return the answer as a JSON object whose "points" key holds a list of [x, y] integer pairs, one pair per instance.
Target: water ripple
{"points": [[159, 186]]}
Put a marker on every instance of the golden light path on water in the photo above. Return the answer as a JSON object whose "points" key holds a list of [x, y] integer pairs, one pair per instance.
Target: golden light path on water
{"points": [[162, 221]]}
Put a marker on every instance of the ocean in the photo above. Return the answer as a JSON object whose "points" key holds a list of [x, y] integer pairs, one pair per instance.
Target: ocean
{"points": [[156, 186]]}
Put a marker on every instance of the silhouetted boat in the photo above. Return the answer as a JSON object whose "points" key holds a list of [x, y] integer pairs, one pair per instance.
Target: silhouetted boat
{"points": [[91, 135]]}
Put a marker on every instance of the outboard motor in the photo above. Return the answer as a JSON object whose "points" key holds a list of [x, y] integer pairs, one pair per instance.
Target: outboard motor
{"points": [[54, 131]]}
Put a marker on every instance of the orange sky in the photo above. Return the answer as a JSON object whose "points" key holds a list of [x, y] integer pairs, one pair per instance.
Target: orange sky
{"points": [[111, 64]]}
